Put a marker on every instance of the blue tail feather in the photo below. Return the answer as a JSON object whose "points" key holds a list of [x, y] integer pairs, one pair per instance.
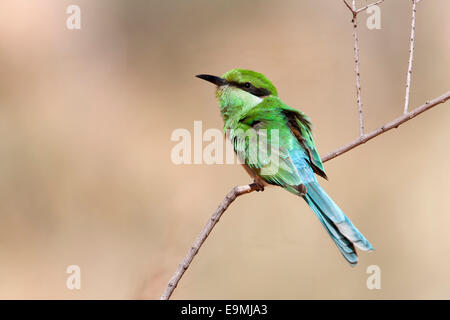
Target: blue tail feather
{"points": [[338, 226]]}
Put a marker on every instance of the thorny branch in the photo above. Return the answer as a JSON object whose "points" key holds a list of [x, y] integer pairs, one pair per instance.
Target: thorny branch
{"points": [[388, 126], [357, 74], [411, 55], [355, 12], [229, 198]]}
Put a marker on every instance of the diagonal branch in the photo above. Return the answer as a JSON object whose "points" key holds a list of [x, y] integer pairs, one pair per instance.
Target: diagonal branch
{"points": [[182, 267], [411, 55], [241, 190], [388, 126]]}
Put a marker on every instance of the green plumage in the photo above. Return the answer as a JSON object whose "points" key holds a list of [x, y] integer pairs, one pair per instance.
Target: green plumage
{"points": [[241, 111]]}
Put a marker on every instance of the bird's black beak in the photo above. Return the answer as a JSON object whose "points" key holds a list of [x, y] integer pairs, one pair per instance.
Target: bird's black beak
{"points": [[213, 79]]}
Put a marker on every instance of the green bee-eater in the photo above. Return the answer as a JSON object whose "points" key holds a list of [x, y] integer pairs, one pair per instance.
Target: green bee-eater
{"points": [[252, 112]]}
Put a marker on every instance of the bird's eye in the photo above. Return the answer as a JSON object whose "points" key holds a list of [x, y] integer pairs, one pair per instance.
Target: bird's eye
{"points": [[247, 84]]}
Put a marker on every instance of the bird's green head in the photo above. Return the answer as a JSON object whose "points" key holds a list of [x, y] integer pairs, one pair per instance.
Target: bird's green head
{"points": [[240, 90], [250, 81]]}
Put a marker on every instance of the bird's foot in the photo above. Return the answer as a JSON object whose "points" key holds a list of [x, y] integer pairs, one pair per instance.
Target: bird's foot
{"points": [[302, 189], [257, 185]]}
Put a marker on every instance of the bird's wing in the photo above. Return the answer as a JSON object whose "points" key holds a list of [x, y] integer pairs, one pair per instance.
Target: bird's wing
{"points": [[291, 144], [264, 150], [301, 127], [294, 128]]}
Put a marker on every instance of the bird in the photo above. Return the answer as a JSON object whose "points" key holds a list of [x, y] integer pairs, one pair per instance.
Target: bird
{"points": [[255, 116]]}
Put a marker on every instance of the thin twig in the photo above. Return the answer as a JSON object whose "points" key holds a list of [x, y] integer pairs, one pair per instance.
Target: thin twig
{"points": [[369, 5], [358, 79], [357, 74], [240, 190], [182, 267], [355, 12], [388, 126], [411, 56], [349, 7]]}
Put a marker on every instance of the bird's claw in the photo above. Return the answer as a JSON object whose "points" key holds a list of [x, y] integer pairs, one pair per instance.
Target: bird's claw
{"points": [[301, 188], [258, 186]]}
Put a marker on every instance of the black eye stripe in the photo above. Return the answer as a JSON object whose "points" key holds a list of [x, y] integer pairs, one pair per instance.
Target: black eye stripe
{"points": [[259, 92]]}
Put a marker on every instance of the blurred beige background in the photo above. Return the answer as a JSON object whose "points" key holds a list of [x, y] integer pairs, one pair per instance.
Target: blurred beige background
{"points": [[85, 171]]}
